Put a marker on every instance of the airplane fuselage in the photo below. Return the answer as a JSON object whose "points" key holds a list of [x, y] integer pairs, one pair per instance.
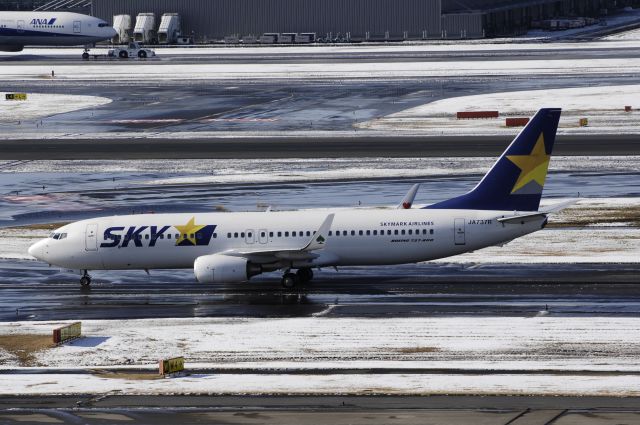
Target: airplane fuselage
{"points": [[19, 29], [357, 237]]}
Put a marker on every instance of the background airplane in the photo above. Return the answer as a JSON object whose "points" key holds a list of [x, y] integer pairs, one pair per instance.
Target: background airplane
{"points": [[20, 29], [233, 247]]}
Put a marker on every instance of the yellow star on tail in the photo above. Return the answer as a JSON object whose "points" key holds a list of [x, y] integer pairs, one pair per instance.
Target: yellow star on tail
{"points": [[533, 167], [189, 230]]}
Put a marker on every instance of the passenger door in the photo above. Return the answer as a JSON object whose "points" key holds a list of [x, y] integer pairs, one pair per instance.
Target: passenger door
{"points": [[20, 26], [458, 229], [77, 27], [91, 237]]}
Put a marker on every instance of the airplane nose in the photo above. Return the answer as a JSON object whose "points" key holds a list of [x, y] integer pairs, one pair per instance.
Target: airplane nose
{"points": [[37, 250]]}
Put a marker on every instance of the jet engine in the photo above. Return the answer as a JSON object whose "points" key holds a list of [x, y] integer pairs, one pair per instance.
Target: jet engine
{"points": [[218, 268]]}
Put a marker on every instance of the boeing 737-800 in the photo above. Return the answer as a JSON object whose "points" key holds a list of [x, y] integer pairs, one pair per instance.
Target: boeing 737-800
{"points": [[19, 29], [233, 247]]}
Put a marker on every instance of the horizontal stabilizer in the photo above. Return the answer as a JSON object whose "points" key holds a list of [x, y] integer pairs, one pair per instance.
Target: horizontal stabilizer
{"points": [[537, 214]]}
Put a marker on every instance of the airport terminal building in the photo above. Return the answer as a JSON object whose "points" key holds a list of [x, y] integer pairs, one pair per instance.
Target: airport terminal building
{"points": [[360, 19], [343, 20]]}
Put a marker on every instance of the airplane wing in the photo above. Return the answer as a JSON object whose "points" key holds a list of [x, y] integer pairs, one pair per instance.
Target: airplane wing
{"points": [[537, 214], [407, 201], [304, 252]]}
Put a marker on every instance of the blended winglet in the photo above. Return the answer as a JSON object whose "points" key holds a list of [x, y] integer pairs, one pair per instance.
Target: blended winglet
{"points": [[319, 238], [408, 199]]}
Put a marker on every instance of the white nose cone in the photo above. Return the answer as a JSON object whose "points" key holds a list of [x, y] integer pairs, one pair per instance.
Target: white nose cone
{"points": [[37, 250]]}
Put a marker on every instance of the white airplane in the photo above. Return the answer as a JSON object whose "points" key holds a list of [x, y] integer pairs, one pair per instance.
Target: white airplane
{"points": [[233, 247], [19, 29]]}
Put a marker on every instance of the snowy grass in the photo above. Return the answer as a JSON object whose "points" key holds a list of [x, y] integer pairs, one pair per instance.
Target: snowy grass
{"points": [[560, 349], [40, 105], [341, 384], [150, 71], [602, 106]]}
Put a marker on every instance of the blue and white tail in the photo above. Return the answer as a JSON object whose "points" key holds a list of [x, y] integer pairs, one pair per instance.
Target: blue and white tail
{"points": [[516, 180]]}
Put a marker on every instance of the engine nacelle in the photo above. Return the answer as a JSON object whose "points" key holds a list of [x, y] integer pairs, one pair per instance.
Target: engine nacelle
{"points": [[218, 268]]}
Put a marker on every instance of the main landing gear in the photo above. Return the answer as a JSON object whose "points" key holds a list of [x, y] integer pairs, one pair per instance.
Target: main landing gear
{"points": [[291, 280], [85, 280]]}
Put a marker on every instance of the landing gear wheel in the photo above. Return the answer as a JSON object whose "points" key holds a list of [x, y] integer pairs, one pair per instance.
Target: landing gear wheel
{"points": [[85, 56], [305, 275], [123, 54], [142, 54], [289, 280], [85, 281]]}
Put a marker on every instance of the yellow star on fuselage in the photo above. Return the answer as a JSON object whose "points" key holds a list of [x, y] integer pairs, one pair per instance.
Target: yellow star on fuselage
{"points": [[189, 230], [533, 167]]}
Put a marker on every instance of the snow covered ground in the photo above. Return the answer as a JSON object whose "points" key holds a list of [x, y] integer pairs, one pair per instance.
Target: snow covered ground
{"points": [[626, 36], [39, 105], [338, 384], [155, 72], [219, 171], [602, 106], [551, 346]]}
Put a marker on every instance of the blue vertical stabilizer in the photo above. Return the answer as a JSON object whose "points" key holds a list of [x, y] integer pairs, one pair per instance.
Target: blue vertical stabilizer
{"points": [[516, 180]]}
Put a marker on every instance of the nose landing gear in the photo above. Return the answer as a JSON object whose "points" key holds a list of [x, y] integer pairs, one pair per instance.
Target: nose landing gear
{"points": [[85, 280]]}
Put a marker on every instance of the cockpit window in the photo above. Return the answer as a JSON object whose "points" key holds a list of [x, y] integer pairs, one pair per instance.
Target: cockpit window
{"points": [[103, 24], [58, 236]]}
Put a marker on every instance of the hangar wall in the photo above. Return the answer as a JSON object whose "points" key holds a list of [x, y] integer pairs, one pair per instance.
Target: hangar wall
{"points": [[210, 19]]}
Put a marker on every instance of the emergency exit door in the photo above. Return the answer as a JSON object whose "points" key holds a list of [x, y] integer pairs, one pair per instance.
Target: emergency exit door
{"points": [[458, 230], [91, 237]]}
